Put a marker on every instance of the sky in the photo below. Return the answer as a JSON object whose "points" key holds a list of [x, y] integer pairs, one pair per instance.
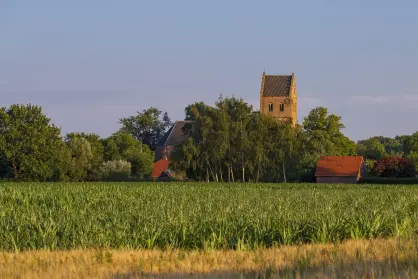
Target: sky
{"points": [[90, 63]]}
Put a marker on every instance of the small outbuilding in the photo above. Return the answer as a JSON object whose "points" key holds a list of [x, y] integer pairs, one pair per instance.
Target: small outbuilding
{"points": [[340, 169]]}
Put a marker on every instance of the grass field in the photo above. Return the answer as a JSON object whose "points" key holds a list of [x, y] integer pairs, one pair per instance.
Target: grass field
{"points": [[200, 216]]}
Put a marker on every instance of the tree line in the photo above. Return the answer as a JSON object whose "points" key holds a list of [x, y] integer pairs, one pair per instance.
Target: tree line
{"points": [[227, 142], [33, 149], [230, 142]]}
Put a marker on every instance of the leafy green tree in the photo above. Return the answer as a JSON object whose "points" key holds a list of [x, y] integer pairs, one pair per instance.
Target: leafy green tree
{"points": [[97, 153], [123, 146], [192, 111], [375, 149], [413, 157], [410, 144], [259, 130], [147, 126], [30, 143], [238, 114], [369, 165], [324, 136], [80, 157]]}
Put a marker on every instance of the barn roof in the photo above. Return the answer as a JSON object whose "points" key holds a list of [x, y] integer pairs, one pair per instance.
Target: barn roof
{"points": [[276, 85], [339, 165]]}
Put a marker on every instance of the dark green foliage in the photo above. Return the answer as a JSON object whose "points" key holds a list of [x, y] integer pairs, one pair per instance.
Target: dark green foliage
{"points": [[97, 153], [388, 180], [148, 126], [6, 171], [200, 216], [123, 146]]}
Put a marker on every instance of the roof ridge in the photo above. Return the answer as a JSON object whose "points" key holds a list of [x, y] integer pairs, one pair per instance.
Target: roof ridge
{"points": [[172, 129]]}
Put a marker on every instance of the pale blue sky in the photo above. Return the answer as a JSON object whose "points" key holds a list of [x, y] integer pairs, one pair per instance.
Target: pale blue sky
{"points": [[91, 62]]}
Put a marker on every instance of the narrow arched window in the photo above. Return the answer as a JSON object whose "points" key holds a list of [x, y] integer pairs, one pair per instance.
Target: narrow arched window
{"points": [[271, 107], [281, 107]]}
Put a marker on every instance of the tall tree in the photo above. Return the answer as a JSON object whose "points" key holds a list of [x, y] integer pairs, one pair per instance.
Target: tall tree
{"points": [[80, 157], [29, 142], [148, 126], [372, 148], [192, 111], [97, 152], [239, 115], [410, 143], [324, 135]]}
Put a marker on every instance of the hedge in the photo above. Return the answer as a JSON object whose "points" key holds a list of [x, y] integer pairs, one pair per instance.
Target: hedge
{"points": [[388, 180]]}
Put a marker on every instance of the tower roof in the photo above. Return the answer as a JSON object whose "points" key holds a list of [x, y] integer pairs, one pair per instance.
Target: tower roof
{"points": [[276, 85]]}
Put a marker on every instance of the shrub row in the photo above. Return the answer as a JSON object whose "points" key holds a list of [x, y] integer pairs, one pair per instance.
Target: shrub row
{"points": [[388, 180]]}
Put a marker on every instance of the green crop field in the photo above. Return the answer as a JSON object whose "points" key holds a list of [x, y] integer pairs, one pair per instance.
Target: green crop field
{"points": [[199, 215]]}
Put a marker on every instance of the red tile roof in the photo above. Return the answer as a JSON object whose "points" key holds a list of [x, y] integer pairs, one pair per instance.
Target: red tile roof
{"points": [[159, 167], [339, 166]]}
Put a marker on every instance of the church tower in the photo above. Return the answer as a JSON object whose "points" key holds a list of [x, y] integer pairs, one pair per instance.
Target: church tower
{"points": [[278, 97]]}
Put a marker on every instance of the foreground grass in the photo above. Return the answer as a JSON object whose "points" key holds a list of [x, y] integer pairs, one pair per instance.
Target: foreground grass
{"points": [[199, 216], [392, 258]]}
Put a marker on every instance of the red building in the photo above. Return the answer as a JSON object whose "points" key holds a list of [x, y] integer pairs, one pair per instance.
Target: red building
{"points": [[340, 169], [176, 135]]}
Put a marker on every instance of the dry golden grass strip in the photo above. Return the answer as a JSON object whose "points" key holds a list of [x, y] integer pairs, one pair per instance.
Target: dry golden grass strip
{"points": [[393, 258]]}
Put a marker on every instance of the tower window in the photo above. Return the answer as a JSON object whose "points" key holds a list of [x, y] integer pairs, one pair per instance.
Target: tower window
{"points": [[281, 107], [271, 107]]}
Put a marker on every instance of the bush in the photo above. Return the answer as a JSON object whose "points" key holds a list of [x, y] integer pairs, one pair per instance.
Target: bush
{"points": [[117, 170], [394, 167], [388, 180]]}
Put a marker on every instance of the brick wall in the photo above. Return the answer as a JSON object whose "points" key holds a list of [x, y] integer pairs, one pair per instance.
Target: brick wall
{"points": [[290, 110]]}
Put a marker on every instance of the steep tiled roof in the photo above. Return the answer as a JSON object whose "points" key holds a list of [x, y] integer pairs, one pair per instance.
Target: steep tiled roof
{"points": [[275, 86], [159, 167], [174, 136], [339, 165]]}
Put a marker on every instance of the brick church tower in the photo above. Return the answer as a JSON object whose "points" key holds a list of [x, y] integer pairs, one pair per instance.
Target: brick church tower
{"points": [[278, 97]]}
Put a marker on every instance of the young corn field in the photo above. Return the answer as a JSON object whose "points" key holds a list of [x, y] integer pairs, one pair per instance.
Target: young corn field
{"points": [[199, 215]]}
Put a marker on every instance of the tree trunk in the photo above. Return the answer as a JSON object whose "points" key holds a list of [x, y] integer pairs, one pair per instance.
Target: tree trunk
{"points": [[15, 171], [229, 174], [243, 174], [284, 173], [258, 173], [220, 172], [232, 175], [211, 172], [207, 174]]}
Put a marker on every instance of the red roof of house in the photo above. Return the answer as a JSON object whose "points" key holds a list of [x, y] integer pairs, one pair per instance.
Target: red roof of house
{"points": [[159, 167], [339, 165]]}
